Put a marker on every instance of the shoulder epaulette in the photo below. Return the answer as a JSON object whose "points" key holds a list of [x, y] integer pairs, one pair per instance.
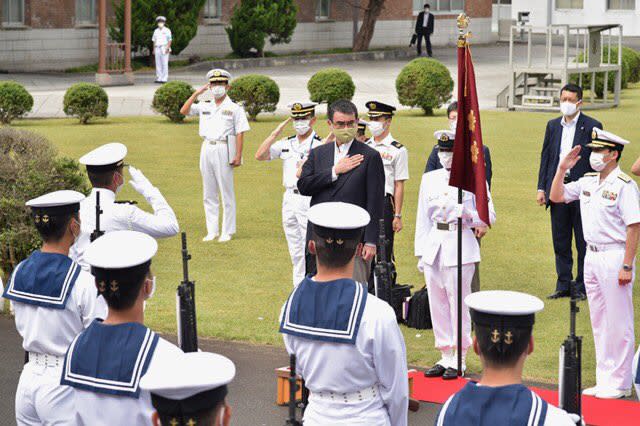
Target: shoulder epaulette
{"points": [[291, 137], [317, 137], [624, 177], [131, 202], [397, 144], [592, 174], [207, 102]]}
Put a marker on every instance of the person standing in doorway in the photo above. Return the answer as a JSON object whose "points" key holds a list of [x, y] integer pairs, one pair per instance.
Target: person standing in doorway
{"points": [[424, 29], [162, 49]]}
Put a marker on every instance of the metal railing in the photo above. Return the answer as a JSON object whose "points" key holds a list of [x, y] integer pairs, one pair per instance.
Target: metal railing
{"points": [[115, 57]]}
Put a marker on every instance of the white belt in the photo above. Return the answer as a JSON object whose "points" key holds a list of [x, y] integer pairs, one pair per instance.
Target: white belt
{"points": [[605, 247], [45, 360], [441, 226], [215, 142], [365, 394]]}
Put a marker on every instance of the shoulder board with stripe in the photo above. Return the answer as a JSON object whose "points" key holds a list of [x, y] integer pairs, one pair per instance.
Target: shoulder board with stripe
{"points": [[290, 138], [591, 174], [316, 137], [624, 177], [397, 144], [207, 102]]}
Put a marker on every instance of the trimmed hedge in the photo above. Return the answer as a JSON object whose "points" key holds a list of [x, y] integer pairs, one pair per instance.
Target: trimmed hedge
{"points": [[424, 83], [630, 71], [86, 101], [15, 101], [256, 93], [329, 85], [170, 97]]}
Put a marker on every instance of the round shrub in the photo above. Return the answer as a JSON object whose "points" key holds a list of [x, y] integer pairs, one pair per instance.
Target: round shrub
{"points": [[634, 63], [170, 97], [15, 101], [424, 83], [256, 93], [85, 101], [329, 85]]}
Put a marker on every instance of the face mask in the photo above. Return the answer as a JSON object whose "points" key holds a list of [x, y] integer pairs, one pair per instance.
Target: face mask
{"points": [[153, 288], [568, 108], [218, 91], [596, 160], [452, 125], [446, 158], [345, 135], [376, 127], [302, 126], [161, 25], [75, 237], [119, 188]]}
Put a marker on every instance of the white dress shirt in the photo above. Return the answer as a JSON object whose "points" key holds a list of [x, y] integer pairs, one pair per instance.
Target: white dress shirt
{"points": [[161, 37], [568, 134], [219, 121], [395, 160], [293, 152], [339, 152]]}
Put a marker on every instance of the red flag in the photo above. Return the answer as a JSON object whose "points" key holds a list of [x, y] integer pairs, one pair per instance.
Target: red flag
{"points": [[468, 168]]}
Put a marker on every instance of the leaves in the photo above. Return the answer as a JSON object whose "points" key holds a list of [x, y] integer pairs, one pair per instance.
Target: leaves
{"points": [[170, 97], [256, 93], [424, 83], [329, 85], [15, 101], [85, 101]]}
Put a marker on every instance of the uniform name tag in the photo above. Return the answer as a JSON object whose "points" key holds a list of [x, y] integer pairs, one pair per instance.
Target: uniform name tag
{"points": [[611, 196], [227, 112], [206, 112], [285, 150]]}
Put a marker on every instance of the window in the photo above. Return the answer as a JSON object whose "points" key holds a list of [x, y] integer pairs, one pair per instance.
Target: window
{"points": [[439, 5], [324, 9], [569, 4], [85, 12], [13, 12], [621, 4], [212, 9], [501, 2]]}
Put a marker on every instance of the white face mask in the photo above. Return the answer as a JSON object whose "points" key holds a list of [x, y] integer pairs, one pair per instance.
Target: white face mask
{"points": [[119, 188], [568, 108], [76, 237], [161, 25], [446, 158], [153, 288], [302, 126], [376, 127], [596, 160], [218, 91], [452, 125]]}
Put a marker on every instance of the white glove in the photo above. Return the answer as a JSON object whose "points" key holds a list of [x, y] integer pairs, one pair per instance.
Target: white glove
{"points": [[576, 419], [139, 182]]}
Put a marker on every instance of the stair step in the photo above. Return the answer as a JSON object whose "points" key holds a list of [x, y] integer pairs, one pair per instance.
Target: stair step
{"points": [[537, 100]]}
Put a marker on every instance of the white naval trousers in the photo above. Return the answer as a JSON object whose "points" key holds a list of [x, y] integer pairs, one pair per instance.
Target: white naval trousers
{"points": [[366, 413], [611, 310], [442, 288], [162, 63], [294, 223], [217, 180], [41, 400]]}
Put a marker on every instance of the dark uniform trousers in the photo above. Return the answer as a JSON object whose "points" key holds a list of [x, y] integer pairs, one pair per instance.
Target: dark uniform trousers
{"points": [[566, 223]]}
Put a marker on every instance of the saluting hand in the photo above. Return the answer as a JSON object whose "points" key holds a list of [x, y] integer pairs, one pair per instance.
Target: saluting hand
{"points": [[203, 89], [348, 163], [571, 159]]}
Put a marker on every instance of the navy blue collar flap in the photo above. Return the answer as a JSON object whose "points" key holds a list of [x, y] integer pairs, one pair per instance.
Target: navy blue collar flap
{"points": [[325, 311], [110, 359], [43, 279]]}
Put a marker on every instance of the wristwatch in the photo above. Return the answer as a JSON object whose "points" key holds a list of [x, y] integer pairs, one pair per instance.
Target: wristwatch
{"points": [[627, 268], [399, 216]]}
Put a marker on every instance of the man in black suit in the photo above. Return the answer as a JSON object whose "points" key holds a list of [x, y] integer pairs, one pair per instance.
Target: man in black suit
{"points": [[562, 134], [424, 28], [347, 171]]}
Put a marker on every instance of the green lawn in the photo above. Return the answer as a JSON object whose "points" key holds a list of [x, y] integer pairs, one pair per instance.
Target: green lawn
{"points": [[242, 284]]}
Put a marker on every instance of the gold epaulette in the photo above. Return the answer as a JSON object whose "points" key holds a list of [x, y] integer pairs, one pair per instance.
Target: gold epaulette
{"points": [[624, 177], [592, 174]]}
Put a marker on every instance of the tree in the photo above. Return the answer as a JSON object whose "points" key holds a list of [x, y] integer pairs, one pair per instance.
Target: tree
{"points": [[253, 21], [365, 34], [182, 18]]}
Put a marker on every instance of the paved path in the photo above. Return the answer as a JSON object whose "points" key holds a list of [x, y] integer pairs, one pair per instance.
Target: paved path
{"points": [[373, 80], [251, 395]]}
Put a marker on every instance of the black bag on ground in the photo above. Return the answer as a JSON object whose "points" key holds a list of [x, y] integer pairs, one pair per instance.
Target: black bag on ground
{"points": [[419, 315]]}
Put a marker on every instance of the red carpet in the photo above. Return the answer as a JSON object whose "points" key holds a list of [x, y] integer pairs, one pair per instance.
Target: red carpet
{"points": [[596, 412]]}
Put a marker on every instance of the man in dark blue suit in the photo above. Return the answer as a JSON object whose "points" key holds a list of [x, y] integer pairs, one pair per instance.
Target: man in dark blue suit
{"points": [[348, 171], [562, 134], [424, 29]]}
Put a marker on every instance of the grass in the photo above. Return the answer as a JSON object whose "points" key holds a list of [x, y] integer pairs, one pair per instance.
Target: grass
{"points": [[241, 285]]}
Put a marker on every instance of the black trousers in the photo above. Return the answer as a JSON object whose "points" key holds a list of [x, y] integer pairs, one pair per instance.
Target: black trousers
{"points": [[566, 224], [389, 210], [427, 41]]}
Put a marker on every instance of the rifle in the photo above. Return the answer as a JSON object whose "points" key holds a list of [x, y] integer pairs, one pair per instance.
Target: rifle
{"points": [[186, 305], [97, 233], [570, 383], [383, 269], [293, 389]]}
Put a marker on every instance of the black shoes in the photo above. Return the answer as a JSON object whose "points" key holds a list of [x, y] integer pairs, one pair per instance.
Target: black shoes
{"points": [[559, 294], [435, 371], [450, 374]]}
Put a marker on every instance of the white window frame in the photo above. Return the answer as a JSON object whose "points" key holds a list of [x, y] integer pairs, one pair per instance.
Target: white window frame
{"points": [[83, 22], [435, 7], [20, 22], [320, 17], [555, 4], [212, 19], [617, 9]]}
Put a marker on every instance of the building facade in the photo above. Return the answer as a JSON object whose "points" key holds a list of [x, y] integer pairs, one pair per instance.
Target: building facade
{"points": [[40, 35]]}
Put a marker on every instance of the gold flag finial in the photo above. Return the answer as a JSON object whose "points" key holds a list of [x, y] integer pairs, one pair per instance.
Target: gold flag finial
{"points": [[463, 21], [463, 34]]}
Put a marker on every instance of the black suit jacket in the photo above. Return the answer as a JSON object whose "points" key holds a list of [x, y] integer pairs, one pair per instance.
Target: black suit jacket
{"points": [[362, 186], [433, 163], [419, 21], [550, 156]]}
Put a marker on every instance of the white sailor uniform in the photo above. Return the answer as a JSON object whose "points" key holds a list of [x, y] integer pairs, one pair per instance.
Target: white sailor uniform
{"points": [[513, 405], [161, 39], [607, 208], [350, 352], [104, 365], [436, 246], [123, 216], [293, 152], [217, 124], [53, 300]]}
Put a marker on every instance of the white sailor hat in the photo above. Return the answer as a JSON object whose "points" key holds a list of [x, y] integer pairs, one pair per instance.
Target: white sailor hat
{"points": [[603, 139], [55, 203], [505, 307], [218, 75], [188, 383], [121, 250], [161, 18], [302, 109], [338, 215], [105, 158], [445, 138]]}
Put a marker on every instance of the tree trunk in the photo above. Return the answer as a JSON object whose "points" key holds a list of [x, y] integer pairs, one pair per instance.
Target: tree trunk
{"points": [[365, 34]]}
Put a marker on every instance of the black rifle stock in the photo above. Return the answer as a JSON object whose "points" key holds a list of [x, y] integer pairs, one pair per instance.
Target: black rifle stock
{"points": [[186, 309], [293, 388], [97, 233], [383, 268], [571, 369]]}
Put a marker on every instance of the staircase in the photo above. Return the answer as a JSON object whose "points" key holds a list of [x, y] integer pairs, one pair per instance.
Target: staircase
{"points": [[531, 91]]}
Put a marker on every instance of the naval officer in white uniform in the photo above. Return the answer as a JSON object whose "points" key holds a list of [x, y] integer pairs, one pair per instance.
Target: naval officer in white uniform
{"points": [[162, 49], [105, 167], [222, 126], [54, 300], [105, 363], [293, 151], [611, 226], [436, 246], [348, 346]]}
